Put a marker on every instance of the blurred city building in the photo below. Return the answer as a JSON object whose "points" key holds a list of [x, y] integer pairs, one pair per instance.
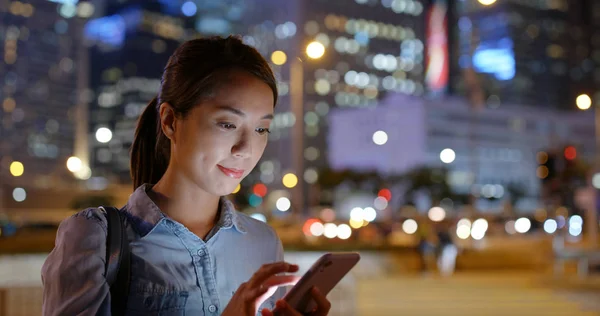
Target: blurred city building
{"points": [[485, 152], [539, 53], [44, 77]]}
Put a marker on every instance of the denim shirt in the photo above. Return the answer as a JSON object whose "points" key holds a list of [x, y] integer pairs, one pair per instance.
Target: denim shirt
{"points": [[173, 271]]}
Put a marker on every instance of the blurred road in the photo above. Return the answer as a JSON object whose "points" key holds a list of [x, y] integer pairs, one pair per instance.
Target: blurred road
{"points": [[374, 289], [473, 294]]}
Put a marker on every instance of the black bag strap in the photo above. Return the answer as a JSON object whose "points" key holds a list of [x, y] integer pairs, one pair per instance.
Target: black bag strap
{"points": [[118, 259]]}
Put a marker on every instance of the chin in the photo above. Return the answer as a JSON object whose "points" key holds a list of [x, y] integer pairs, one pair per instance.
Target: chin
{"points": [[226, 187]]}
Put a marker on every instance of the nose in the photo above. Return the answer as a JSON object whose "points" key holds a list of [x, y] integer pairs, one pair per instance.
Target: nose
{"points": [[243, 148]]}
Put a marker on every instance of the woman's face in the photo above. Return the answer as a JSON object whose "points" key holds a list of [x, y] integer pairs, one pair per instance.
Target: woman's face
{"points": [[221, 140]]}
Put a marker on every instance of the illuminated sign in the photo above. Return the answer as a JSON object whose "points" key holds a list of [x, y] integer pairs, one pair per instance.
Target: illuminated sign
{"points": [[112, 29], [108, 30], [437, 71], [496, 58]]}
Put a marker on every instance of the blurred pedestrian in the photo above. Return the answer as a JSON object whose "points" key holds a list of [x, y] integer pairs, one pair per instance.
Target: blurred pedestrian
{"points": [[446, 250]]}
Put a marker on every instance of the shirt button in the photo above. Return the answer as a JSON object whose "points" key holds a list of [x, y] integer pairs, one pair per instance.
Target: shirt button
{"points": [[212, 308], [201, 252]]}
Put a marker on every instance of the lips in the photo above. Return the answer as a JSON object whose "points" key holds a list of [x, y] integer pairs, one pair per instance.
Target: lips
{"points": [[232, 172]]}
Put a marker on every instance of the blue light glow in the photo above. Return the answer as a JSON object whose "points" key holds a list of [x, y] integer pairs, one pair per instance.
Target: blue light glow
{"points": [[362, 38], [498, 59], [109, 30], [189, 8], [213, 25], [65, 1], [254, 200]]}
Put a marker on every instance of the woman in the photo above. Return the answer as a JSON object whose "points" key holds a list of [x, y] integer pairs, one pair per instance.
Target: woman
{"points": [[191, 252]]}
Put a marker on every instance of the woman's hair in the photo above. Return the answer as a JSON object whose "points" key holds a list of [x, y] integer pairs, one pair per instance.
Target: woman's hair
{"points": [[192, 74]]}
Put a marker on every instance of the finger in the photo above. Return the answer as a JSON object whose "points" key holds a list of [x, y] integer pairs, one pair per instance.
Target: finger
{"points": [[266, 312], [285, 309], [281, 280], [271, 285], [323, 304], [269, 270]]}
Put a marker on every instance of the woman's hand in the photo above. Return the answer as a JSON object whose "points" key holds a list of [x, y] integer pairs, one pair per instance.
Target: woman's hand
{"points": [[250, 295], [282, 308]]}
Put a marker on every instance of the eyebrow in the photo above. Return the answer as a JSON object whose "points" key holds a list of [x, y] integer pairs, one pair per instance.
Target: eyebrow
{"points": [[239, 112]]}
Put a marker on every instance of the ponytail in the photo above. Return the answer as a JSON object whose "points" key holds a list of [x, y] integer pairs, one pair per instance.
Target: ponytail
{"points": [[150, 150]]}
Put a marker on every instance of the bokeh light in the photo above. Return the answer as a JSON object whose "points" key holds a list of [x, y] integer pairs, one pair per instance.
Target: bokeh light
{"points": [[369, 214], [380, 138], [410, 226], [509, 227], [317, 229], [357, 214], [380, 203], [356, 223], [385, 193], [550, 226], [447, 155], [283, 204], [16, 169], [103, 135], [254, 200], [576, 221], [19, 194], [74, 164], [479, 228], [289, 180], [327, 215], [278, 57], [344, 231], [436, 214], [583, 102], [315, 50], [330, 230], [463, 232], [306, 228], [522, 225], [260, 189]]}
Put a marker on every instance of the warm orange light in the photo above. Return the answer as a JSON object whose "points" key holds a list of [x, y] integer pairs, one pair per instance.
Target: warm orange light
{"points": [[570, 153], [542, 157], [260, 189], [308, 224], [542, 172], [385, 193]]}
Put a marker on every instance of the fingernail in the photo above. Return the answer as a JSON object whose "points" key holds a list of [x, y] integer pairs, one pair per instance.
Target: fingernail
{"points": [[316, 290]]}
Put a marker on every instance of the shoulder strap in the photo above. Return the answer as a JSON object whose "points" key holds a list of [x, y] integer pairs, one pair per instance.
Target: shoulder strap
{"points": [[118, 262]]}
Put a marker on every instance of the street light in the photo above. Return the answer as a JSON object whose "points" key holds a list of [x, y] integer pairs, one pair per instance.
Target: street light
{"points": [[487, 2], [584, 102], [314, 50]]}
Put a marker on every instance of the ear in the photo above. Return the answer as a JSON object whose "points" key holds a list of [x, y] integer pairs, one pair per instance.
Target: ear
{"points": [[167, 120]]}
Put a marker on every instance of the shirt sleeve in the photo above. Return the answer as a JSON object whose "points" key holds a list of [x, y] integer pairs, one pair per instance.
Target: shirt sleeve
{"points": [[73, 274]]}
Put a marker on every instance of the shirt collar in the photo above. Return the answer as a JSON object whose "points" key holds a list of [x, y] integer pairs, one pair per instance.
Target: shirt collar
{"points": [[145, 214]]}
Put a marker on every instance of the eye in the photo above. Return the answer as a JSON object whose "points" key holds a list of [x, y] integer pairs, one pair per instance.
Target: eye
{"points": [[262, 130], [226, 125]]}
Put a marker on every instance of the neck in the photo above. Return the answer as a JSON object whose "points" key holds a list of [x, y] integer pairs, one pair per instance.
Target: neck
{"points": [[183, 201]]}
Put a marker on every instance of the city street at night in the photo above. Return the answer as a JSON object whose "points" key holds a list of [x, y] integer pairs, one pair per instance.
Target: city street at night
{"points": [[418, 157]]}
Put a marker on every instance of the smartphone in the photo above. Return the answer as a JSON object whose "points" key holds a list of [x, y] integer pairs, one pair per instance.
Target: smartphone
{"points": [[324, 274]]}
